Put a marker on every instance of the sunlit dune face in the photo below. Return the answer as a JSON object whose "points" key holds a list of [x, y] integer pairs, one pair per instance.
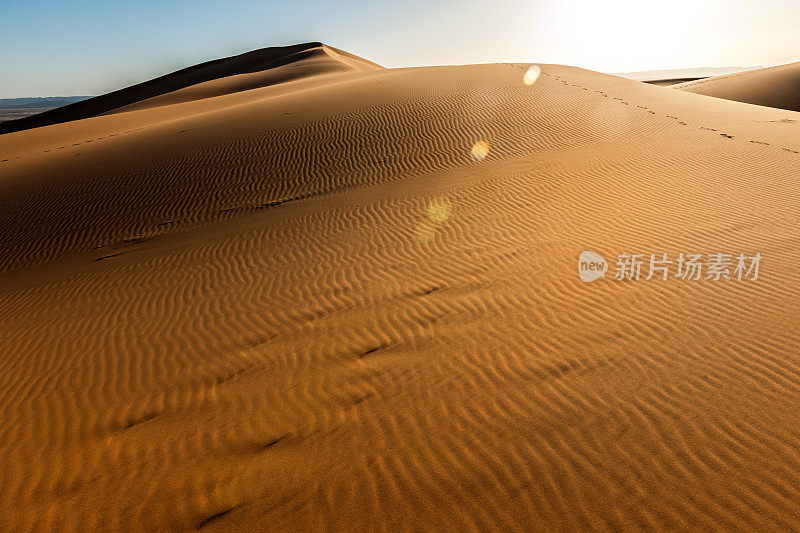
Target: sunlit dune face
{"points": [[480, 150], [532, 74]]}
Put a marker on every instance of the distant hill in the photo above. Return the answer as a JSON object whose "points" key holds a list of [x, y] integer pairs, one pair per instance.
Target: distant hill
{"points": [[39, 102], [16, 108]]}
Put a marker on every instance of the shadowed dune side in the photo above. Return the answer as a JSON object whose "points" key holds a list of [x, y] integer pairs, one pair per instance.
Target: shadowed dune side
{"points": [[777, 86], [316, 306], [259, 68], [666, 82]]}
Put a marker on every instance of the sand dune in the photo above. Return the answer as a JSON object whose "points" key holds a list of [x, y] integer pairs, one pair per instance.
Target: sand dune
{"points": [[773, 86], [259, 68], [349, 301]]}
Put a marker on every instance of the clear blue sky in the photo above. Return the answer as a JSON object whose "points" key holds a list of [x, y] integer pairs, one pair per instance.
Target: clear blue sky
{"points": [[59, 47]]}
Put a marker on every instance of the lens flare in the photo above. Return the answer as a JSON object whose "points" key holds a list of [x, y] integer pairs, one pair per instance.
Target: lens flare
{"points": [[480, 150], [439, 210], [532, 75]]}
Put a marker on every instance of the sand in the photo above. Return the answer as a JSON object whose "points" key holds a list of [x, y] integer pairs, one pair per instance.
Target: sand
{"points": [[777, 86], [350, 300]]}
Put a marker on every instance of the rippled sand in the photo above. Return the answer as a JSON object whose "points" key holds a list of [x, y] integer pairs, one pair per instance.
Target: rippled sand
{"points": [[344, 297]]}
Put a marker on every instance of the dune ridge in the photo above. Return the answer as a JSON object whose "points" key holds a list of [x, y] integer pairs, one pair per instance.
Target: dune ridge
{"points": [[249, 70], [311, 305], [777, 86]]}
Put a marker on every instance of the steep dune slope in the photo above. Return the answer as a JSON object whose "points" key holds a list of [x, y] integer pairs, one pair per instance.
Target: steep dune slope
{"points": [[259, 68], [773, 87], [350, 301]]}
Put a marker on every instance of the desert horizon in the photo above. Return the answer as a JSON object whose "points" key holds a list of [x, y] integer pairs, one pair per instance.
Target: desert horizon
{"points": [[292, 289]]}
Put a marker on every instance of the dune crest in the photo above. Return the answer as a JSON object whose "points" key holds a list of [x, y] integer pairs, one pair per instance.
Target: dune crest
{"points": [[777, 86], [251, 70]]}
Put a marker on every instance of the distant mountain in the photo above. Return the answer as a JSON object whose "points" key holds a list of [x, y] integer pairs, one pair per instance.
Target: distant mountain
{"points": [[17, 108], [38, 102]]}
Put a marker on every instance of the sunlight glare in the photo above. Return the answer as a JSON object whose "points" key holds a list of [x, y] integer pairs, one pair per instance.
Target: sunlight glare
{"points": [[439, 210], [532, 74], [480, 150]]}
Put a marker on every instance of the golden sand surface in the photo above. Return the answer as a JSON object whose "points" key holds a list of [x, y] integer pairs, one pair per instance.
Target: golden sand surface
{"points": [[331, 296]]}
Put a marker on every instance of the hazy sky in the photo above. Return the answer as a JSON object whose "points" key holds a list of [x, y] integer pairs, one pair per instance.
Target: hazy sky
{"points": [[59, 47]]}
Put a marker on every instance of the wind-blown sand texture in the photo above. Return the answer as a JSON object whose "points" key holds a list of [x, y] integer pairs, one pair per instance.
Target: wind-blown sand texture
{"points": [[772, 86], [300, 299]]}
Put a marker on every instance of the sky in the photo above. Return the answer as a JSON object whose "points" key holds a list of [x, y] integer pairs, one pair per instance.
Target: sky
{"points": [[88, 47]]}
